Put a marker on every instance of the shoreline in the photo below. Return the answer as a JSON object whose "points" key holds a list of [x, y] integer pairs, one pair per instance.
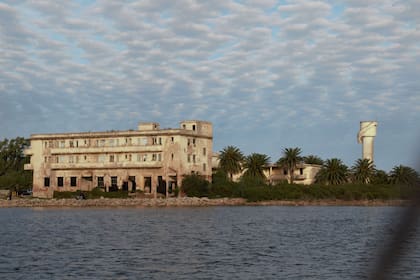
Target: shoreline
{"points": [[184, 202]]}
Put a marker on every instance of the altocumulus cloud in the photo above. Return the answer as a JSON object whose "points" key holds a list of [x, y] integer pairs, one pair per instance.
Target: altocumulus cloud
{"points": [[268, 74]]}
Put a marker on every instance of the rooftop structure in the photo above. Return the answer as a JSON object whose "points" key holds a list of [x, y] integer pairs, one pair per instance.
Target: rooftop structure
{"points": [[149, 159]]}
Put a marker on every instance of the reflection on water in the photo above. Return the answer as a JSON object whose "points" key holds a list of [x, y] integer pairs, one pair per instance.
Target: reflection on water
{"points": [[197, 243]]}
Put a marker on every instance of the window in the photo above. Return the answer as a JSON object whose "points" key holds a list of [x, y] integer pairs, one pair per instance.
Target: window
{"points": [[189, 158], [114, 180], [145, 157], [159, 157], [85, 158], [111, 158], [111, 142], [101, 158], [60, 181], [204, 167], [160, 140], [100, 143], [188, 142], [301, 171], [62, 144], [193, 127], [73, 181], [184, 126], [194, 158], [61, 159], [101, 182], [71, 144], [172, 139], [284, 171], [70, 159], [193, 141], [204, 151], [46, 181], [172, 156], [153, 157], [143, 141]]}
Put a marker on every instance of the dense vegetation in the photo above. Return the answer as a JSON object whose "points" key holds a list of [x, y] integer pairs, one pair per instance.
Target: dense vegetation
{"points": [[334, 180], [12, 175], [95, 193]]}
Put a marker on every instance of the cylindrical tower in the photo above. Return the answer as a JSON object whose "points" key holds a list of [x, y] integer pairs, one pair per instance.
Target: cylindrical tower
{"points": [[366, 136]]}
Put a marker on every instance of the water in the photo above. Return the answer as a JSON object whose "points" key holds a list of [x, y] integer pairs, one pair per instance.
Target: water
{"points": [[198, 243]]}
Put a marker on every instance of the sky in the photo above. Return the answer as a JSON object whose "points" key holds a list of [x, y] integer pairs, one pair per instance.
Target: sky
{"points": [[268, 74]]}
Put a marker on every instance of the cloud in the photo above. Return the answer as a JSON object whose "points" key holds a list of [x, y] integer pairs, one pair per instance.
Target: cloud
{"points": [[242, 65]]}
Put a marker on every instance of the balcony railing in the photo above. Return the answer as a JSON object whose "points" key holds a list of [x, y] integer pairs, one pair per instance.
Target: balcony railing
{"points": [[116, 149], [107, 165]]}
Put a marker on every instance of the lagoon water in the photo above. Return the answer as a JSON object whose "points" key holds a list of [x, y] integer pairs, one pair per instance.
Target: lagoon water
{"points": [[270, 242]]}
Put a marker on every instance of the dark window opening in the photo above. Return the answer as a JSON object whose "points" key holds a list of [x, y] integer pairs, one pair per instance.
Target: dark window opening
{"points": [[193, 127], [101, 182], [285, 171], [60, 181], [46, 181], [301, 171], [114, 181], [73, 181]]}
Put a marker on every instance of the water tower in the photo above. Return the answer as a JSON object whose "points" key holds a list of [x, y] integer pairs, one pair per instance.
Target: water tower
{"points": [[366, 136]]}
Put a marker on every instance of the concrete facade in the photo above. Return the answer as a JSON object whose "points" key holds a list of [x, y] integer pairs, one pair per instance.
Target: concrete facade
{"points": [[149, 159], [365, 137]]}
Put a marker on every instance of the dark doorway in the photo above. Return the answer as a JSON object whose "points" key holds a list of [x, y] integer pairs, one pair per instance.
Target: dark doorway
{"points": [[161, 187], [147, 184], [125, 186], [132, 179]]}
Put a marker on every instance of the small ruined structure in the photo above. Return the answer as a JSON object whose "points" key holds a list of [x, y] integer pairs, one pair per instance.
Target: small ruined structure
{"points": [[365, 137], [149, 159]]}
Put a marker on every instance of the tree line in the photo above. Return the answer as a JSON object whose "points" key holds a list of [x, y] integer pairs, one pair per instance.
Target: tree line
{"points": [[334, 180], [332, 172]]}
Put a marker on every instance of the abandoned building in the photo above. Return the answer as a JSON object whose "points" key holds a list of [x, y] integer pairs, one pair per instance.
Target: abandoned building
{"points": [[149, 159]]}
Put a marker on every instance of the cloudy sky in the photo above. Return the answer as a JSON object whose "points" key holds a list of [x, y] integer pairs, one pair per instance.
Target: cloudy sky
{"points": [[268, 74]]}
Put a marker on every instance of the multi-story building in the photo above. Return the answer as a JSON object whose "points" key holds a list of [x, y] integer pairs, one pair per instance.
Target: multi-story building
{"points": [[148, 159]]}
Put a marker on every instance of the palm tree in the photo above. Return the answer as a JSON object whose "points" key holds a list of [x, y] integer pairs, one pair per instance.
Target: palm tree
{"points": [[291, 157], [403, 175], [333, 172], [363, 171], [230, 160], [254, 165], [312, 159], [380, 177]]}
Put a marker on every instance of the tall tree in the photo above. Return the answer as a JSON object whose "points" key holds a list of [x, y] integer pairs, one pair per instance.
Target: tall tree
{"points": [[289, 160], [254, 166], [230, 160], [312, 159], [333, 172], [403, 175], [363, 171], [12, 174]]}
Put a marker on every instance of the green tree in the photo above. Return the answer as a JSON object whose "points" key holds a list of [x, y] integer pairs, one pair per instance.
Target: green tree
{"points": [[12, 174], [312, 159], [195, 185], [403, 175], [254, 166], [291, 157], [363, 171], [230, 160], [333, 172], [380, 178]]}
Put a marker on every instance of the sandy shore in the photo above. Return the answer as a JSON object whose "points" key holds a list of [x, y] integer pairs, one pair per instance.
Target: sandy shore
{"points": [[185, 202]]}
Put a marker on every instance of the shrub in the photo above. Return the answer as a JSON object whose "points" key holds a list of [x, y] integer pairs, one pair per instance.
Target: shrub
{"points": [[195, 186]]}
